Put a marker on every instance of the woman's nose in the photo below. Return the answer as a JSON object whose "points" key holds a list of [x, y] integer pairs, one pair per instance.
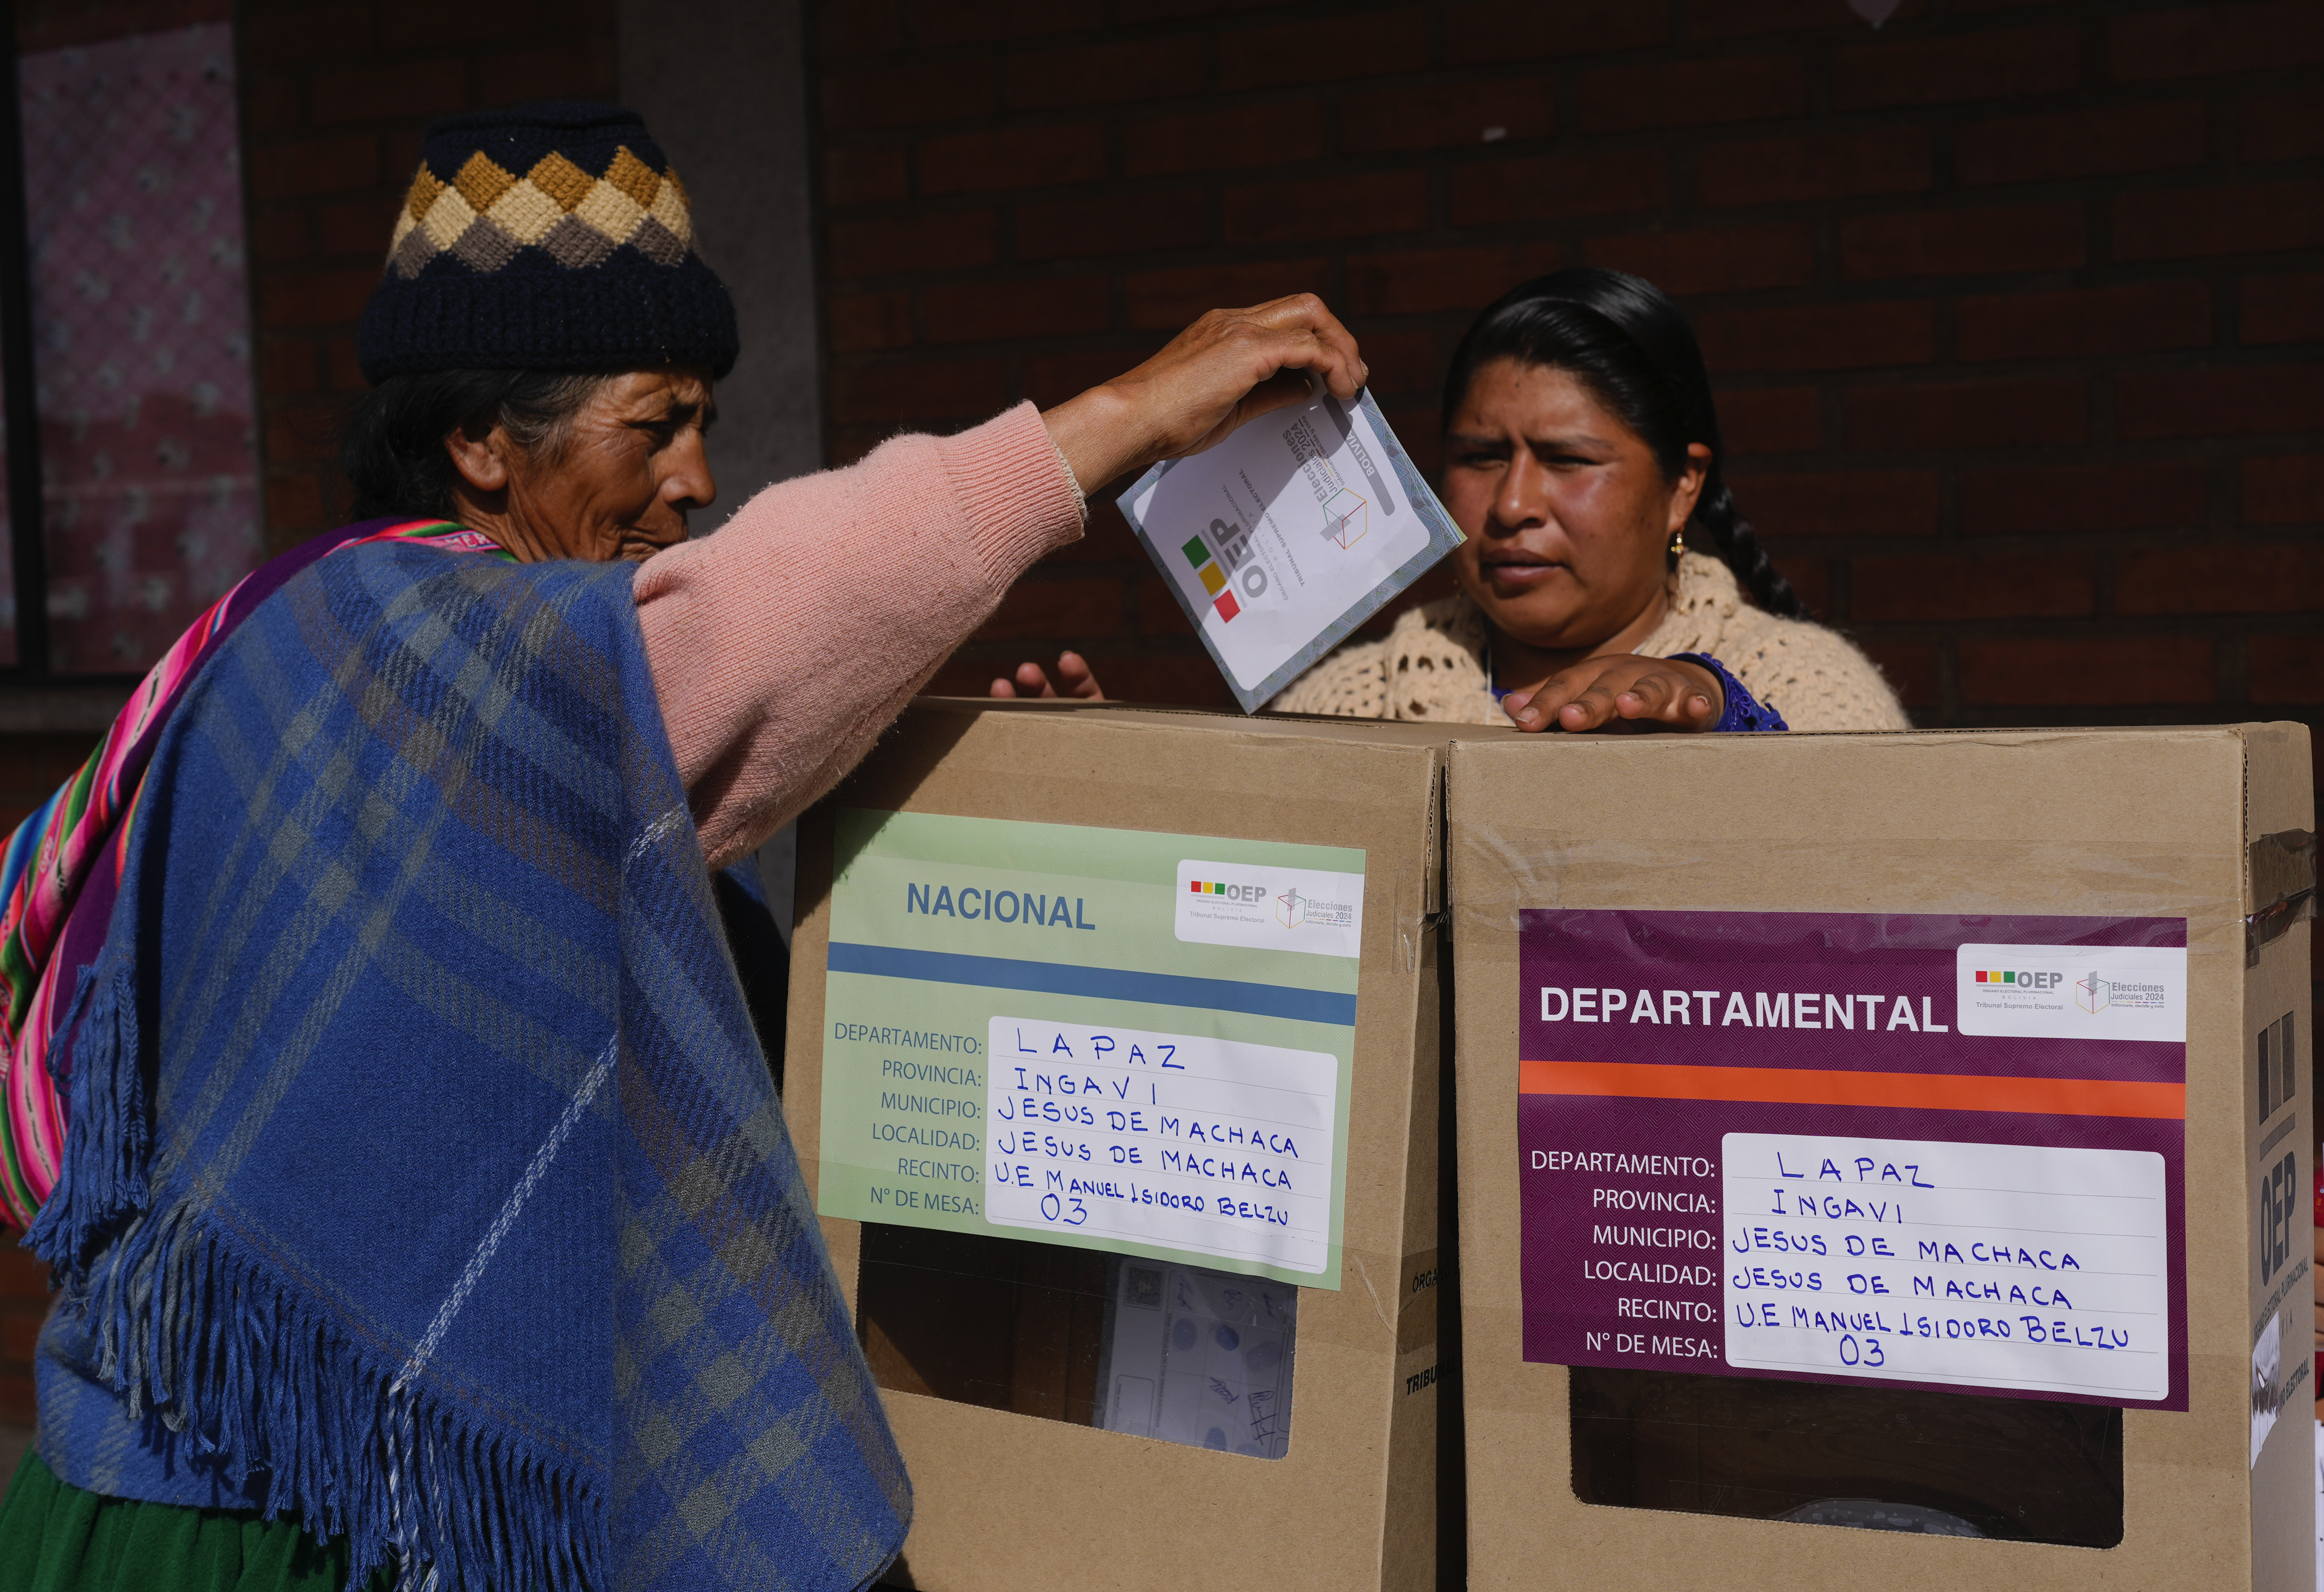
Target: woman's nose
{"points": [[689, 483], [1522, 499]]}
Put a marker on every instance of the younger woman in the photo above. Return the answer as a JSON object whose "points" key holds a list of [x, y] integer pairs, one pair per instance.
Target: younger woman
{"points": [[1583, 457]]}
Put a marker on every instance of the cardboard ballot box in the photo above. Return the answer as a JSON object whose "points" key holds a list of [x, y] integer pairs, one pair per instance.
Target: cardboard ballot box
{"points": [[1909, 1133], [1114, 1061]]}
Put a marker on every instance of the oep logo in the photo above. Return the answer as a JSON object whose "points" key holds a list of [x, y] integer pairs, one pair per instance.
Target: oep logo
{"points": [[2021, 981], [1243, 894], [1234, 563]]}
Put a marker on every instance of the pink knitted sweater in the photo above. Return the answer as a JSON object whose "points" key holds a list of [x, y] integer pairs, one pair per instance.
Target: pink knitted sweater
{"points": [[783, 645]]}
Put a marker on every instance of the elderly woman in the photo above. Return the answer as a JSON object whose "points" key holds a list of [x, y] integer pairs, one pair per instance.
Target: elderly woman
{"points": [[380, 1088], [1582, 451]]}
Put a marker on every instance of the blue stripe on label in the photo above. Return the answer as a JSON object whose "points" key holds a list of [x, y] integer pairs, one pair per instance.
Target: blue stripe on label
{"points": [[1113, 984]]}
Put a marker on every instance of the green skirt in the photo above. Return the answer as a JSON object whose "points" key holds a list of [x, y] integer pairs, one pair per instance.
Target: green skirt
{"points": [[56, 1537]]}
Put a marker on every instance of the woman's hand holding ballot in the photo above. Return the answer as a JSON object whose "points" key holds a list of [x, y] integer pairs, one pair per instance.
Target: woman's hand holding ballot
{"points": [[1228, 367]]}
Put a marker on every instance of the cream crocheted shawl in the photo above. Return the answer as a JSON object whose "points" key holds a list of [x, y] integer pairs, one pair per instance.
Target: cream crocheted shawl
{"points": [[1432, 664]]}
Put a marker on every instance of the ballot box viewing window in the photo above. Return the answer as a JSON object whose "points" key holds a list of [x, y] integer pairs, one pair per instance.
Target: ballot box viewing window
{"points": [[1942, 1464], [126, 382], [1152, 1347]]}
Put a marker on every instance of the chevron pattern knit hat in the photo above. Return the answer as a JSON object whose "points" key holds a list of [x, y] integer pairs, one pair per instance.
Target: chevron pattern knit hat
{"points": [[551, 236]]}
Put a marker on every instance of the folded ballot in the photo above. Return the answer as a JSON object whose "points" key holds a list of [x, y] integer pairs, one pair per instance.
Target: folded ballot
{"points": [[1283, 538]]}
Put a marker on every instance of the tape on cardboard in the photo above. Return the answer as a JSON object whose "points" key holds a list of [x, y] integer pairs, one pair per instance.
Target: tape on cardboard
{"points": [[1522, 867], [2282, 888]]}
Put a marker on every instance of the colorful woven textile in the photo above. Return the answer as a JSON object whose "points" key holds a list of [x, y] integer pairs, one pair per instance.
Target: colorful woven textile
{"points": [[64, 856], [461, 1221]]}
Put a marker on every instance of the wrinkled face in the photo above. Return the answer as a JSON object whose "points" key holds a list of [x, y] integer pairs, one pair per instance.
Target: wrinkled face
{"points": [[620, 481], [1569, 517]]}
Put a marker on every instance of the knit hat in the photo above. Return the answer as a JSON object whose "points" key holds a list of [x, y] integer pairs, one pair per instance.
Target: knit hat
{"points": [[551, 236]]}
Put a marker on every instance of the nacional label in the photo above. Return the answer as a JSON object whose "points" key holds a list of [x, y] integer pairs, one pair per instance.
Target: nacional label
{"points": [[1112, 1039]]}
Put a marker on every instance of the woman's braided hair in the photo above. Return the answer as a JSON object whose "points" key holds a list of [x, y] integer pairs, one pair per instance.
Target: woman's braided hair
{"points": [[1622, 336]]}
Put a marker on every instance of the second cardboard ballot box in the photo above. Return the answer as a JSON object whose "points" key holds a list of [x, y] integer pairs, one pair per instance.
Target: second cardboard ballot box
{"points": [[1114, 1062], [1910, 1134]]}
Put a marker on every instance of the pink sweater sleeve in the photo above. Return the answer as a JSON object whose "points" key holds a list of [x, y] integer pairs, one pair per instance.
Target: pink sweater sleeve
{"points": [[783, 644]]}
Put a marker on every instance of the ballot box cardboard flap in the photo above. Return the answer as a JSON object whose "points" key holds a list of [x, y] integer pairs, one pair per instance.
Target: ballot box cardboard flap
{"points": [[1005, 1500], [2125, 824]]}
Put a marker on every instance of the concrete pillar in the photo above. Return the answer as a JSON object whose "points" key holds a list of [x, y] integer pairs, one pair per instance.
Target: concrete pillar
{"points": [[723, 85]]}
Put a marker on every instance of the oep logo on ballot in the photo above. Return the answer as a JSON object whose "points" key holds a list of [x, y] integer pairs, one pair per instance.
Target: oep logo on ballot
{"points": [[1232, 562], [1287, 536], [1222, 563]]}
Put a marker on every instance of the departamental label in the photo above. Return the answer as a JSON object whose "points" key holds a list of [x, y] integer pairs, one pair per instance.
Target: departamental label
{"points": [[1985, 1265], [1203, 1144]]}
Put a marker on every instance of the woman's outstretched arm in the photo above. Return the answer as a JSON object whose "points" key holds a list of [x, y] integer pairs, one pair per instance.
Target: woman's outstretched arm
{"points": [[784, 644]]}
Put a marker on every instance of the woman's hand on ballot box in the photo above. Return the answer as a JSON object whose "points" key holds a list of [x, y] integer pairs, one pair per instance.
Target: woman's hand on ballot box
{"points": [[1622, 693], [1075, 678], [1619, 693]]}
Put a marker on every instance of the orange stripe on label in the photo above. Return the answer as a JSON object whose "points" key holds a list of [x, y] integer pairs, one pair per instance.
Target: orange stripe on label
{"points": [[1786, 1085]]}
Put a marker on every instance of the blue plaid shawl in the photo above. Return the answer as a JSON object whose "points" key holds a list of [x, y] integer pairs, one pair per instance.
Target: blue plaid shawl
{"points": [[426, 1181]]}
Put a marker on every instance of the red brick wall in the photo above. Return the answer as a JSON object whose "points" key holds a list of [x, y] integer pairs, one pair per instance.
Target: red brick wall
{"points": [[58, 25], [2014, 309], [334, 97]]}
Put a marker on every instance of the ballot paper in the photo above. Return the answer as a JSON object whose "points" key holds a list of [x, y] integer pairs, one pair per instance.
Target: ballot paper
{"points": [[1283, 538], [1199, 1357]]}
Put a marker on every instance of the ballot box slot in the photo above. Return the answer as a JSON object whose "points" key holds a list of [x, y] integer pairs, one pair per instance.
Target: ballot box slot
{"points": [[1145, 1347], [1881, 1459]]}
